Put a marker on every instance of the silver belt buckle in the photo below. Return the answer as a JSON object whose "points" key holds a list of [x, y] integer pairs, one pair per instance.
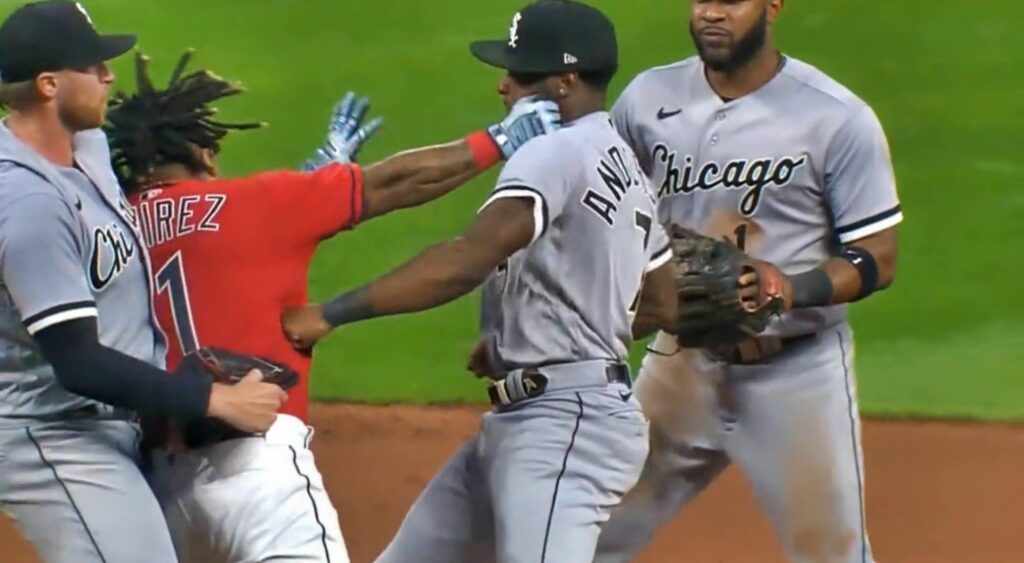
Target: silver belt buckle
{"points": [[519, 385]]}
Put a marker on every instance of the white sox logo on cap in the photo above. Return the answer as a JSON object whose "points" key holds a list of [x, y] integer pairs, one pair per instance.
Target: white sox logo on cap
{"points": [[513, 32], [81, 8]]}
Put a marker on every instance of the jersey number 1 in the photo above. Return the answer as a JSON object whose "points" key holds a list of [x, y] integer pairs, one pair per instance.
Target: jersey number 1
{"points": [[171, 278], [741, 236]]}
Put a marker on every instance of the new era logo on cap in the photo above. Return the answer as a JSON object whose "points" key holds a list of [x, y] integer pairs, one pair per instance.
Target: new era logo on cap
{"points": [[569, 59]]}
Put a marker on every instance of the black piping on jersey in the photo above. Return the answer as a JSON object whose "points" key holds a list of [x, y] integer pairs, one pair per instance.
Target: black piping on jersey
{"points": [[856, 452], [657, 255], [58, 309], [866, 222], [309, 493], [543, 202], [67, 492], [558, 481]]}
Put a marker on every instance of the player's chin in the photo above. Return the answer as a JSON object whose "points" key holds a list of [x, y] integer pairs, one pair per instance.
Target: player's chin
{"points": [[86, 119], [101, 115], [716, 59]]}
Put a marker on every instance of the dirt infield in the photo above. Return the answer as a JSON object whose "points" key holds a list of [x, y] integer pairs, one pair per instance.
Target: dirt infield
{"points": [[937, 493]]}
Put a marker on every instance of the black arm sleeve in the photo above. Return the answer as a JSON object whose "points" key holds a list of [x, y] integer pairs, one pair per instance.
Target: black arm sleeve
{"points": [[86, 367]]}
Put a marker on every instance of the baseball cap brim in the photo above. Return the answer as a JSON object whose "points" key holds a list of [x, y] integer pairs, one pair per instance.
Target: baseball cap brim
{"points": [[110, 47], [493, 52]]}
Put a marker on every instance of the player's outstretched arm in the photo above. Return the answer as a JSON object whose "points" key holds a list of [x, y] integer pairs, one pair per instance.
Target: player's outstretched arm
{"points": [[438, 275], [418, 176], [346, 133], [85, 367]]}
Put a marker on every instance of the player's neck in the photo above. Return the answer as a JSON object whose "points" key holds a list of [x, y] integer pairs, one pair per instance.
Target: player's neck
{"points": [[581, 106], [43, 133], [739, 82], [170, 173]]}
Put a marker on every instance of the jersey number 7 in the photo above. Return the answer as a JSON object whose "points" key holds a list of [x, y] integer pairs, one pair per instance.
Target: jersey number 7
{"points": [[171, 279], [644, 222]]}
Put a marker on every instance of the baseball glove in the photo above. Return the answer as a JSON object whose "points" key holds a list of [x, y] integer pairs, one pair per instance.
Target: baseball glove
{"points": [[712, 310], [228, 368]]}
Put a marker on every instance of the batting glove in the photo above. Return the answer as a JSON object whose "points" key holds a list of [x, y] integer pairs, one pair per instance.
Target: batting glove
{"points": [[345, 134], [530, 117]]}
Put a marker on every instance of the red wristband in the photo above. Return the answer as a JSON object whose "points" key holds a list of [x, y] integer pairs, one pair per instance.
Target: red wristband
{"points": [[485, 151]]}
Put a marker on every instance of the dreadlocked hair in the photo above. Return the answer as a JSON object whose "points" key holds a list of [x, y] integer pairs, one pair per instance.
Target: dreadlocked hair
{"points": [[151, 127]]}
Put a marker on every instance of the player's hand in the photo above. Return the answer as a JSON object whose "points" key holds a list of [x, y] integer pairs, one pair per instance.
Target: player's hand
{"points": [[250, 405], [305, 326], [530, 117], [345, 133], [754, 289], [750, 291], [480, 361]]}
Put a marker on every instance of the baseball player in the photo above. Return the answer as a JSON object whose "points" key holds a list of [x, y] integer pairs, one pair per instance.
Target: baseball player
{"points": [[562, 247], [243, 245], [747, 143], [79, 348]]}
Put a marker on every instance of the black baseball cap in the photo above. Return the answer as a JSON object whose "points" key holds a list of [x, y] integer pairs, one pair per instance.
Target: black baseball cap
{"points": [[53, 35], [554, 36]]}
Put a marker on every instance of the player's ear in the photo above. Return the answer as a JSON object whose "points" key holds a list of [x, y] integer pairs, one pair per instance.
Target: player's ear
{"points": [[46, 86], [209, 160], [774, 9], [565, 84]]}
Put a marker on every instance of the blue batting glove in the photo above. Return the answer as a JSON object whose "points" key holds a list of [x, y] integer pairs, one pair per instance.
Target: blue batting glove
{"points": [[345, 134], [530, 117]]}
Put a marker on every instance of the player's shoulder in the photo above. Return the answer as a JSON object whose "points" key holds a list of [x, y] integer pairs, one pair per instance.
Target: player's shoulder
{"points": [[815, 85], [18, 182], [28, 197], [546, 148], [333, 174], [668, 76], [198, 187]]}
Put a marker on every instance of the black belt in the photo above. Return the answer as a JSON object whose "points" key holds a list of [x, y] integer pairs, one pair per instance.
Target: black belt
{"points": [[532, 384], [760, 349]]}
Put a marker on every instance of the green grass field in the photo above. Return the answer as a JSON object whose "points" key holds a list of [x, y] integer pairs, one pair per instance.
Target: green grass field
{"points": [[945, 78]]}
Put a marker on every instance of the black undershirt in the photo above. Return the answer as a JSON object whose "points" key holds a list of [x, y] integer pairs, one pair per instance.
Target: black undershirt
{"points": [[86, 367]]}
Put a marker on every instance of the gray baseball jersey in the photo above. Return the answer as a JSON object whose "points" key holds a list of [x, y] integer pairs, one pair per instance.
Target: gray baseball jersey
{"points": [[561, 305], [568, 296], [787, 172], [68, 249]]}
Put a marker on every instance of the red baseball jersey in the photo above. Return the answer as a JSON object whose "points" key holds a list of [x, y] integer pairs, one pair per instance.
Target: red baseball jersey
{"points": [[230, 255]]}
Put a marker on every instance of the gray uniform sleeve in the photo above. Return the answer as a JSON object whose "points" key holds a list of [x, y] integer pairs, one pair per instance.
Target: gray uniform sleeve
{"points": [[624, 118], [41, 262], [859, 180], [537, 172]]}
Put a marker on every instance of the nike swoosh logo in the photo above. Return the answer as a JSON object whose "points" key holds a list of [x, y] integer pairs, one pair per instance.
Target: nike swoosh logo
{"points": [[625, 396], [665, 114]]}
